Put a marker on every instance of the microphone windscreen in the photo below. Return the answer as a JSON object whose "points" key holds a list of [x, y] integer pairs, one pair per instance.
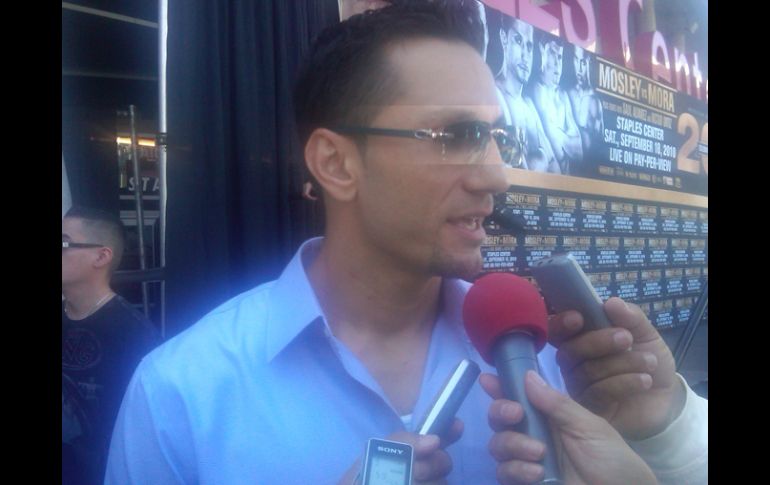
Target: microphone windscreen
{"points": [[499, 303]]}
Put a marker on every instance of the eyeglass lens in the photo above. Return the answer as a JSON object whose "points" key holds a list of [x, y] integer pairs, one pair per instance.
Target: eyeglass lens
{"points": [[470, 141]]}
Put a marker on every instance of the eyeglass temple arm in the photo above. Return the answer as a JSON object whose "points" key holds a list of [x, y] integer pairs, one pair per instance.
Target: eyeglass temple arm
{"points": [[364, 130], [68, 244]]}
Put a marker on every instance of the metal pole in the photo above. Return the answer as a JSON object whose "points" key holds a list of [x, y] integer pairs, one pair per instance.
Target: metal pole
{"points": [[683, 345], [138, 199], [162, 149]]}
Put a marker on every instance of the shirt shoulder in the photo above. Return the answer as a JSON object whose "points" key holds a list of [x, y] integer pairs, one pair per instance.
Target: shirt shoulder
{"points": [[231, 334]]}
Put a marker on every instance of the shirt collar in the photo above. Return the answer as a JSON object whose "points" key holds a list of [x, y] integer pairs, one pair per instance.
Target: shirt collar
{"points": [[294, 306]]}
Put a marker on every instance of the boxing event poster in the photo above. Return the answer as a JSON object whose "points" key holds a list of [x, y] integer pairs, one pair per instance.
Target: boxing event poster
{"points": [[614, 172], [580, 114]]}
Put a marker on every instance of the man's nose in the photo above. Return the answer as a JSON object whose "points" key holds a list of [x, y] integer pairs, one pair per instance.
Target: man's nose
{"points": [[490, 175]]}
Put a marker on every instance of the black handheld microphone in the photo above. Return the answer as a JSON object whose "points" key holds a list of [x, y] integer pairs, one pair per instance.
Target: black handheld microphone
{"points": [[506, 319], [506, 218]]}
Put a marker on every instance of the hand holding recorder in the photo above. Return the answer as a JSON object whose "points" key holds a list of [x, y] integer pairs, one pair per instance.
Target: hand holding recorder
{"points": [[430, 464], [612, 358], [419, 458]]}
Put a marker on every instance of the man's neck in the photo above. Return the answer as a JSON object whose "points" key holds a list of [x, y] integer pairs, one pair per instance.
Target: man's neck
{"points": [[382, 313], [363, 292], [80, 299]]}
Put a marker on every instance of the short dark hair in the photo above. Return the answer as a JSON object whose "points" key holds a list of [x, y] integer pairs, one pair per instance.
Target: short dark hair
{"points": [[105, 227], [346, 73]]}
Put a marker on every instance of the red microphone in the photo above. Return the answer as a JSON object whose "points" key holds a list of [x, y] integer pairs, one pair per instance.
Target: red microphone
{"points": [[506, 319]]}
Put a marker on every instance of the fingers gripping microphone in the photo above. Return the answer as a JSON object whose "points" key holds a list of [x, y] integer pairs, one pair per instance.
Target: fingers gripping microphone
{"points": [[506, 319]]}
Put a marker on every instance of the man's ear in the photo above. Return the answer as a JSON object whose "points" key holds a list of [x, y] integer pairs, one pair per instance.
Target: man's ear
{"points": [[334, 161], [502, 38], [104, 258]]}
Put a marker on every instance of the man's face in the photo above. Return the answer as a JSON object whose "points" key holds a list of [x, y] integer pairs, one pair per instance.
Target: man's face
{"points": [[76, 263], [581, 66], [518, 45], [417, 205], [552, 62]]}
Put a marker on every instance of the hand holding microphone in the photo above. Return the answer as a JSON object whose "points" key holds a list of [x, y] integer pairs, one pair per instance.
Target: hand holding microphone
{"points": [[624, 373], [506, 320], [588, 449]]}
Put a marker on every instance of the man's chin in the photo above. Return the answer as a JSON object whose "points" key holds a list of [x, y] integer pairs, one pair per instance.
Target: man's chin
{"points": [[465, 267]]}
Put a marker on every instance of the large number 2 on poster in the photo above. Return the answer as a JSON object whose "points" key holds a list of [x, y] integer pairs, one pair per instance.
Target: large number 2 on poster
{"points": [[687, 125]]}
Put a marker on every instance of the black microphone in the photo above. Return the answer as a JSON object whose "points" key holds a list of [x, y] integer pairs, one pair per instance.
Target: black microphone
{"points": [[506, 217], [508, 220], [506, 320]]}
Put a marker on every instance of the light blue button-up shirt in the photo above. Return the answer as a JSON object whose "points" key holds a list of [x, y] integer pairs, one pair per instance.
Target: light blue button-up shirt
{"points": [[260, 392]]}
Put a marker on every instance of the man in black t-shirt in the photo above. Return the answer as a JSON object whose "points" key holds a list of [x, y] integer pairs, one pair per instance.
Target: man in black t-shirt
{"points": [[103, 339]]}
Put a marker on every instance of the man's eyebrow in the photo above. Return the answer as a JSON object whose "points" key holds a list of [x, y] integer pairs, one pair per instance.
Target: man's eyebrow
{"points": [[65, 236], [449, 115]]}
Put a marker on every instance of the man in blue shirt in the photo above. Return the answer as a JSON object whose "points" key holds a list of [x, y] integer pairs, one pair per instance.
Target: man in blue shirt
{"points": [[285, 383]]}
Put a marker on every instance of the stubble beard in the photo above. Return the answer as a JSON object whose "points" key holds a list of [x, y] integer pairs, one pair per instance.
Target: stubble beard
{"points": [[444, 265]]}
